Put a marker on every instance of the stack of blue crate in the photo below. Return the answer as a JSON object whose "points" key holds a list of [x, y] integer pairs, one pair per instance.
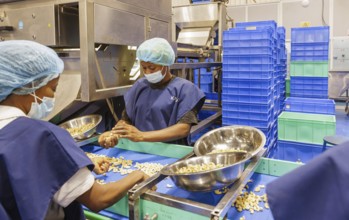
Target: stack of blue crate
{"points": [[203, 79], [281, 66], [300, 136], [307, 134], [249, 77], [309, 62]]}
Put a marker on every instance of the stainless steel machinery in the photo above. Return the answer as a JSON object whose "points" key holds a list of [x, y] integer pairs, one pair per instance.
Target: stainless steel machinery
{"points": [[198, 33], [96, 38]]}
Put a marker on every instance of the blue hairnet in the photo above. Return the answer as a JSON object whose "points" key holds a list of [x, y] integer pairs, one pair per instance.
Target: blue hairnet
{"points": [[157, 51], [26, 66]]}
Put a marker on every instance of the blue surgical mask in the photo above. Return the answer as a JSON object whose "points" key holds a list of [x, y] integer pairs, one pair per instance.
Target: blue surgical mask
{"points": [[42, 110], [155, 77]]}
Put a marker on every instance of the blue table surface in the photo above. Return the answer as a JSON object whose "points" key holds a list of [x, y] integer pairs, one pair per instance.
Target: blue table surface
{"points": [[209, 198]]}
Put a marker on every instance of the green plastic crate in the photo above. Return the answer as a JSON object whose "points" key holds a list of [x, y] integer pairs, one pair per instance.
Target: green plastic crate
{"points": [[304, 127], [287, 87], [311, 69]]}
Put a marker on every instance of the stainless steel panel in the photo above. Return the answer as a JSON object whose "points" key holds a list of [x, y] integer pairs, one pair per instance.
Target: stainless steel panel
{"points": [[67, 17], [115, 62], [200, 15], [194, 36], [30, 23], [159, 29], [158, 6], [114, 26]]}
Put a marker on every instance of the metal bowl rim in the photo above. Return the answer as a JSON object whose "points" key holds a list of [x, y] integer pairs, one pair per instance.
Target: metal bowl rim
{"points": [[86, 116], [248, 157], [231, 126]]}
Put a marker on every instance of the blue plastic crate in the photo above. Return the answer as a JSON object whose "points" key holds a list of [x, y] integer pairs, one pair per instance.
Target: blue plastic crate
{"points": [[201, 1], [206, 87], [309, 58], [247, 83], [270, 140], [202, 71], [246, 91], [309, 47], [247, 98], [237, 51], [272, 24], [276, 105], [267, 132], [203, 114], [247, 107], [246, 34], [281, 30], [306, 87], [252, 60], [311, 85], [269, 23], [248, 122], [319, 106], [247, 115], [311, 93], [248, 43], [204, 78], [248, 67], [310, 35], [247, 74], [211, 95], [309, 55], [296, 152], [299, 80]]}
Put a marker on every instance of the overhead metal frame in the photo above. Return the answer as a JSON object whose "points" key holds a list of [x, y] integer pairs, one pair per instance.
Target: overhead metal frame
{"points": [[89, 92]]}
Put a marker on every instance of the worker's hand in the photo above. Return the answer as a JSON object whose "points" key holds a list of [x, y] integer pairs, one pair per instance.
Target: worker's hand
{"points": [[108, 139], [144, 177], [130, 132], [101, 165]]}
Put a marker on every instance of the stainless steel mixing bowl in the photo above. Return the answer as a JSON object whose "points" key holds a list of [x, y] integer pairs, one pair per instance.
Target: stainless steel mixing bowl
{"points": [[233, 165], [81, 121], [244, 138]]}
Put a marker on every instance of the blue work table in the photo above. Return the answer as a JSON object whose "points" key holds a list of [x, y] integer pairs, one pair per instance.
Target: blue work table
{"points": [[166, 186]]}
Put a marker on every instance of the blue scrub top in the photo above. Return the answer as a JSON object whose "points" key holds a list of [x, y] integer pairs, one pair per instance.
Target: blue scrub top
{"points": [[315, 191], [36, 159], [152, 109]]}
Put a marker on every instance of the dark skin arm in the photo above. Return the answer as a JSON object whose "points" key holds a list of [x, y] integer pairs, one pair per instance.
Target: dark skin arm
{"points": [[99, 196], [108, 139], [177, 131], [101, 165], [124, 130]]}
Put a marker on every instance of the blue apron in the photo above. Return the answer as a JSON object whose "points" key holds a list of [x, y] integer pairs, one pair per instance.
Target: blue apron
{"points": [[152, 109], [315, 191], [36, 159]]}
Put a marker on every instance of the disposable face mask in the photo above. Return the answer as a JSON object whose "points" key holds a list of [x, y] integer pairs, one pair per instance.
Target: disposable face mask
{"points": [[42, 110], [155, 77]]}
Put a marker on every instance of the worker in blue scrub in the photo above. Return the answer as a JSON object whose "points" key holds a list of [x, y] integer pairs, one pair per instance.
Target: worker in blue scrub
{"points": [[43, 174], [159, 107], [317, 190]]}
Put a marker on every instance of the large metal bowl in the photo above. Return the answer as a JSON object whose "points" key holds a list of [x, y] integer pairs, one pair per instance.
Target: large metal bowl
{"points": [[233, 165], [80, 122], [244, 138]]}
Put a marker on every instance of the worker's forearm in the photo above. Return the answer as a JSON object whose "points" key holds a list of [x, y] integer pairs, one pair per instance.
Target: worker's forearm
{"points": [[171, 133], [100, 196]]}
